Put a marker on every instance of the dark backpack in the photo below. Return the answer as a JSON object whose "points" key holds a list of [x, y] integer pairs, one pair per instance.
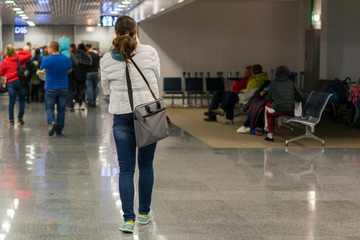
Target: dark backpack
{"points": [[24, 73]]}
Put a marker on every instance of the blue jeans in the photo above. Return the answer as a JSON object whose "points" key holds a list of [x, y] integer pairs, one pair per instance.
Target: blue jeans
{"points": [[92, 79], [124, 136], [227, 100], [14, 88], [58, 97]]}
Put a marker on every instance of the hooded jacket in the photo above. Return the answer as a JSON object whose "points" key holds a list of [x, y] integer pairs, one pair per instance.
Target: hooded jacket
{"points": [[256, 80], [64, 46], [113, 78], [283, 94], [9, 66], [84, 64]]}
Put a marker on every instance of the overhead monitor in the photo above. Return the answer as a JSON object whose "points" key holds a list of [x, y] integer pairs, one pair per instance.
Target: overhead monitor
{"points": [[108, 20], [20, 30]]}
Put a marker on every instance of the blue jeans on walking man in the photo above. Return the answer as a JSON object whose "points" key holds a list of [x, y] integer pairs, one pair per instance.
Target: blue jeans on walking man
{"points": [[15, 88], [124, 136], [58, 97], [92, 79]]}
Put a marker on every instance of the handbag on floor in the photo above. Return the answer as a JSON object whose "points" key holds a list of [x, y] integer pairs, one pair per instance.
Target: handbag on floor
{"points": [[150, 121]]}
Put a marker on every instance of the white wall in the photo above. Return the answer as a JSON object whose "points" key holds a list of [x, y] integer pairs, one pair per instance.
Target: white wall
{"points": [[42, 35], [227, 36]]}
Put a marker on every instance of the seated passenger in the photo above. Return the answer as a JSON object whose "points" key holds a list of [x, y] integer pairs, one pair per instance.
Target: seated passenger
{"points": [[257, 79], [227, 99], [281, 99], [255, 108]]}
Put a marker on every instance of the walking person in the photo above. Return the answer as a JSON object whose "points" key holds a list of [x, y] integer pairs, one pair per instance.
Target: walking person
{"points": [[72, 78], [113, 76], [84, 66], [9, 69], [57, 68], [92, 77]]}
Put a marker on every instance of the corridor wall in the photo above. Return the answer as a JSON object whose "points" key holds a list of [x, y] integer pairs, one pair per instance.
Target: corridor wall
{"points": [[340, 39], [228, 35], [43, 34]]}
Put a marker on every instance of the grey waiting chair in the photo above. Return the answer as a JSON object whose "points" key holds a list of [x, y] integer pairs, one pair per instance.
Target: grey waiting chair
{"points": [[313, 110]]}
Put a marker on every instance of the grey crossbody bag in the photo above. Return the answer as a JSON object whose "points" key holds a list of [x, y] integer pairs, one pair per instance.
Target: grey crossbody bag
{"points": [[150, 121]]}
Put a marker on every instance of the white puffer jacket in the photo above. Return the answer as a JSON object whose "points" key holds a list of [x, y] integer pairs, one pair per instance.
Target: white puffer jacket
{"points": [[113, 78]]}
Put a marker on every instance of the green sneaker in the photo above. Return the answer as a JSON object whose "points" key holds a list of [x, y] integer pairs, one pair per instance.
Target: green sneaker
{"points": [[127, 226], [145, 218]]}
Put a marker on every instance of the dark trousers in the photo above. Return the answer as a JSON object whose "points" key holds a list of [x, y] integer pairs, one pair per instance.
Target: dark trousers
{"points": [[80, 92], [227, 100], [35, 92], [70, 102]]}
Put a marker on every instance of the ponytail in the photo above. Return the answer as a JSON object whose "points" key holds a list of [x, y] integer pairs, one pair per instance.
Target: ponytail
{"points": [[125, 42], [125, 45]]}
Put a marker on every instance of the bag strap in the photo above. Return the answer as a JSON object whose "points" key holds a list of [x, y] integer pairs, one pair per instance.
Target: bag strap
{"points": [[18, 63], [130, 91], [142, 75]]}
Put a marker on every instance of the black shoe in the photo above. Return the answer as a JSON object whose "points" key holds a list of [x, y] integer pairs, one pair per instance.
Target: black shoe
{"points": [[210, 119], [12, 122], [52, 128], [269, 139], [206, 113], [21, 122]]}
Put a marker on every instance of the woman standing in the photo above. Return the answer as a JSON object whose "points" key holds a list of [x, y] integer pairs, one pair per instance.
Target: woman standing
{"points": [[113, 68], [9, 69], [84, 66]]}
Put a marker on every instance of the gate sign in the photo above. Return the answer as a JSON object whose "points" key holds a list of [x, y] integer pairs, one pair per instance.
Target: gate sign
{"points": [[20, 30]]}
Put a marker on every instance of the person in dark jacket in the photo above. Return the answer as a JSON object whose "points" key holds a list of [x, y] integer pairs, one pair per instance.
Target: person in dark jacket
{"points": [[92, 79], [227, 100], [72, 77], [8, 69], [255, 108], [281, 99], [84, 66]]}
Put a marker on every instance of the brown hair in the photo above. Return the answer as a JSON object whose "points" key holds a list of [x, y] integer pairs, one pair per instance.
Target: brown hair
{"points": [[257, 68], [125, 43], [55, 46], [282, 69], [10, 50], [88, 46]]}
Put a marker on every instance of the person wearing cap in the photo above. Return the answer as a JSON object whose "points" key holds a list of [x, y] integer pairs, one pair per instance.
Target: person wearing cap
{"points": [[281, 99]]}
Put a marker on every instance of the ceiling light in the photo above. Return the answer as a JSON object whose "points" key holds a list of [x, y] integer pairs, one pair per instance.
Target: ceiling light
{"points": [[163, 9], [180, 1], [126, 2], [31, 23], [8, 1], [114, 12], [19, 12], [99, 24], [25, 17], [121, 6], [17, 9]]}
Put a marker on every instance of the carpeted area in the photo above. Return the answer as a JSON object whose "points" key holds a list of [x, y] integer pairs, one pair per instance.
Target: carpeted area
{"points": [[218, 135]]}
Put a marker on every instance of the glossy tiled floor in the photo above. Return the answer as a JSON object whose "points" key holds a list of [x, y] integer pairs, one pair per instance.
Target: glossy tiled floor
{"points": [[66, 188]]}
